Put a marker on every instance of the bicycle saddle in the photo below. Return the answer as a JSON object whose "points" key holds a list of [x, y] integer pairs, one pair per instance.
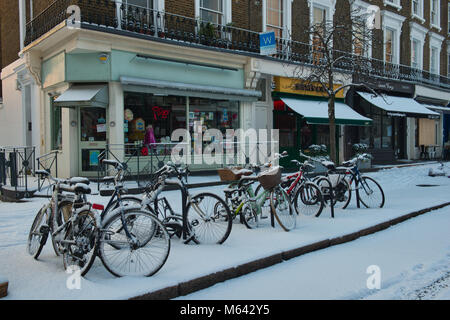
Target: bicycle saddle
{"points": [[79, 188], [329, 165], [75, 180]]}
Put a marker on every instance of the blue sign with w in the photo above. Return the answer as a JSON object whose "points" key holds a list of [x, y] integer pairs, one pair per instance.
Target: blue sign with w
{"points": [[267, 43]]}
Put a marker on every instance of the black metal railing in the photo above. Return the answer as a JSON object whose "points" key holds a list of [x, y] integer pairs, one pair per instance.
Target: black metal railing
{"points": [[48, 162], [107, 15], [140, 162], [16, 166]]}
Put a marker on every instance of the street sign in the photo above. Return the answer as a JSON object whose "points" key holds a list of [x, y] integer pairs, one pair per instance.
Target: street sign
{"points": [[267, 43]]}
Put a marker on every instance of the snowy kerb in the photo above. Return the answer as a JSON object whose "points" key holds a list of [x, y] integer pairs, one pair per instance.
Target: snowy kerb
{"points": [[46, 279]]}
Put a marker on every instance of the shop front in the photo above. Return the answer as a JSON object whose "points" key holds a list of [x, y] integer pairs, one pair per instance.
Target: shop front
{"points": [[127, 105], [388, 138], [301, 116]]}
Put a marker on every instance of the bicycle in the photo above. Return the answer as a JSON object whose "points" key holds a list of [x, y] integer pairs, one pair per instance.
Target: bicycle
{"points": [[76, 237], [202, 220], [133, 240], [368, 191], [305, 195]]}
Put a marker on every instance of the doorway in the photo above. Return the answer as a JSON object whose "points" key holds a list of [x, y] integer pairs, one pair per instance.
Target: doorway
{"points": [[92, 136]]}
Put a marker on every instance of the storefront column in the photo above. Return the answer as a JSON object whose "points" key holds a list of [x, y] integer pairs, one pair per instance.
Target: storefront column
{"points": [[68, 158], [411, 150], [116, 117]]}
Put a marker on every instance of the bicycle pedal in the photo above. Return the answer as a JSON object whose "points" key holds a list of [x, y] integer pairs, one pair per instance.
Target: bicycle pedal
{"points": [[264, 217], [44, 229]]}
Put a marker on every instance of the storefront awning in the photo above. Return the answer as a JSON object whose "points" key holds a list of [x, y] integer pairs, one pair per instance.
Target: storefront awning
{"points": [[186, 89], [316, 112], [399, 106], [83, 95], [442, 109]]}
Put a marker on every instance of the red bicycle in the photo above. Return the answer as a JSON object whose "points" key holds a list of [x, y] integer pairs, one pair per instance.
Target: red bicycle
{"points": [[304, 194]]}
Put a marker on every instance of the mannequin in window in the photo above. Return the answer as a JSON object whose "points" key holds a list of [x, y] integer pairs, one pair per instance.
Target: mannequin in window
{"points": [[149, 138]]}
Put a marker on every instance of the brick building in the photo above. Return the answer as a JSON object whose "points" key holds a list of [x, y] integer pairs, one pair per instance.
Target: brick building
{"points": [[200, 60]]}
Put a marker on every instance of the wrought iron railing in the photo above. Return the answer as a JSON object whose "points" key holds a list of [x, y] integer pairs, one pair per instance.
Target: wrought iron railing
{"points": [[16, 166], [108, 15], [48, 162]]}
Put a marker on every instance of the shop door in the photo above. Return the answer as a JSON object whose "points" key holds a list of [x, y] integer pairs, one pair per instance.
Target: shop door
{"points": [[93, 131], [400, 137], [287, 124]]}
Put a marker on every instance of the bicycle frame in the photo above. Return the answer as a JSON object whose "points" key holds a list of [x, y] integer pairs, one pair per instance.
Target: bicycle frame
{"points": [[256, 202]]}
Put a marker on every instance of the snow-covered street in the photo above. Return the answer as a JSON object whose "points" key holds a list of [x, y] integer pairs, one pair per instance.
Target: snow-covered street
{"points": [[425, 262], [413, 259]]}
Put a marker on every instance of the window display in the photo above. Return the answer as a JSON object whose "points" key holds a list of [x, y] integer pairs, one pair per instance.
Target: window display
{"points": [[150, 119], [163, 114]]}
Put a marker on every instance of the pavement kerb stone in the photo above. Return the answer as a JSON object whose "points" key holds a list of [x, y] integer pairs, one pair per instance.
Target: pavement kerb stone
{"points": [[206, 281]]}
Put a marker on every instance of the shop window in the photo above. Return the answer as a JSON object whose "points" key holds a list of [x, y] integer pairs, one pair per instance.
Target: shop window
{"points": [[162, 114], [286, 123], [56, 127], [93, 124], [386, 132], [323, 135], [376, 131], [212, 114]]}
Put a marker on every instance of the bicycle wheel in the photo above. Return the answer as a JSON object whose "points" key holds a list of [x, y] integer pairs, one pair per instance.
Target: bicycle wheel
{"points": [[126, 202], [308, 200], [63, 215], [370, 193], [206, 222], [80, 243], [249, 216], [145, 257], [342, 192], [37, 237], [282, 208]]}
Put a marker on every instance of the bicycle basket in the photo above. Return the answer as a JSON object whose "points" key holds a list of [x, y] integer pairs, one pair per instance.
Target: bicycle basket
{"points": [[271, 178], [232, 174]]}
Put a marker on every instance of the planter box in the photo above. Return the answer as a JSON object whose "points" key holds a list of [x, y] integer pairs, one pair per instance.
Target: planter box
{"points": [[3, 289]]}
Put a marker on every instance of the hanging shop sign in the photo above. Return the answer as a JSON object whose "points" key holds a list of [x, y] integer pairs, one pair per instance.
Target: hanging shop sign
{"points": [[386, 86]]}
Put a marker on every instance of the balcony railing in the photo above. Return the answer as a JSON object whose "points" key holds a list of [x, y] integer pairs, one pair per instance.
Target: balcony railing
{"points": [[111, 16]]}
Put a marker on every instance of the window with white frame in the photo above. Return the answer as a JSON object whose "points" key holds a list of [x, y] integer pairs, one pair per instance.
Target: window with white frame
{"points": [[435, 14], [434, 60], [448, 64], [392, 26], [415, 54], [393, 3], [448, 18], [436, 41], [274, 17], [362, 42], [212, 11], [417, 9], [389, 45], [277, 17], [418, 34]]}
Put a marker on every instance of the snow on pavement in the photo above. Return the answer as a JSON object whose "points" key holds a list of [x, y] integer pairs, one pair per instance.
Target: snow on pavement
{"points": [[413, 258], [46, 279]]}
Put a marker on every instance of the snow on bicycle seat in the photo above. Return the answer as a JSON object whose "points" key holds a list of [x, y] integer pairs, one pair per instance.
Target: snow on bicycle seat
{"points": [[329, 165], [75, 180], [42, 172], [348, 164], [79, 188], [82, 188]]}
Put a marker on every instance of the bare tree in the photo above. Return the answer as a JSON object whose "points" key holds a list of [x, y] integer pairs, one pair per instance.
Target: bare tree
{"points": [[337, 53]]}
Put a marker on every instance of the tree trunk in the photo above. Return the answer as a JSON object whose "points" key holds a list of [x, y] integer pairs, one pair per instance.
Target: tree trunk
{"points": [[332, 119]]}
